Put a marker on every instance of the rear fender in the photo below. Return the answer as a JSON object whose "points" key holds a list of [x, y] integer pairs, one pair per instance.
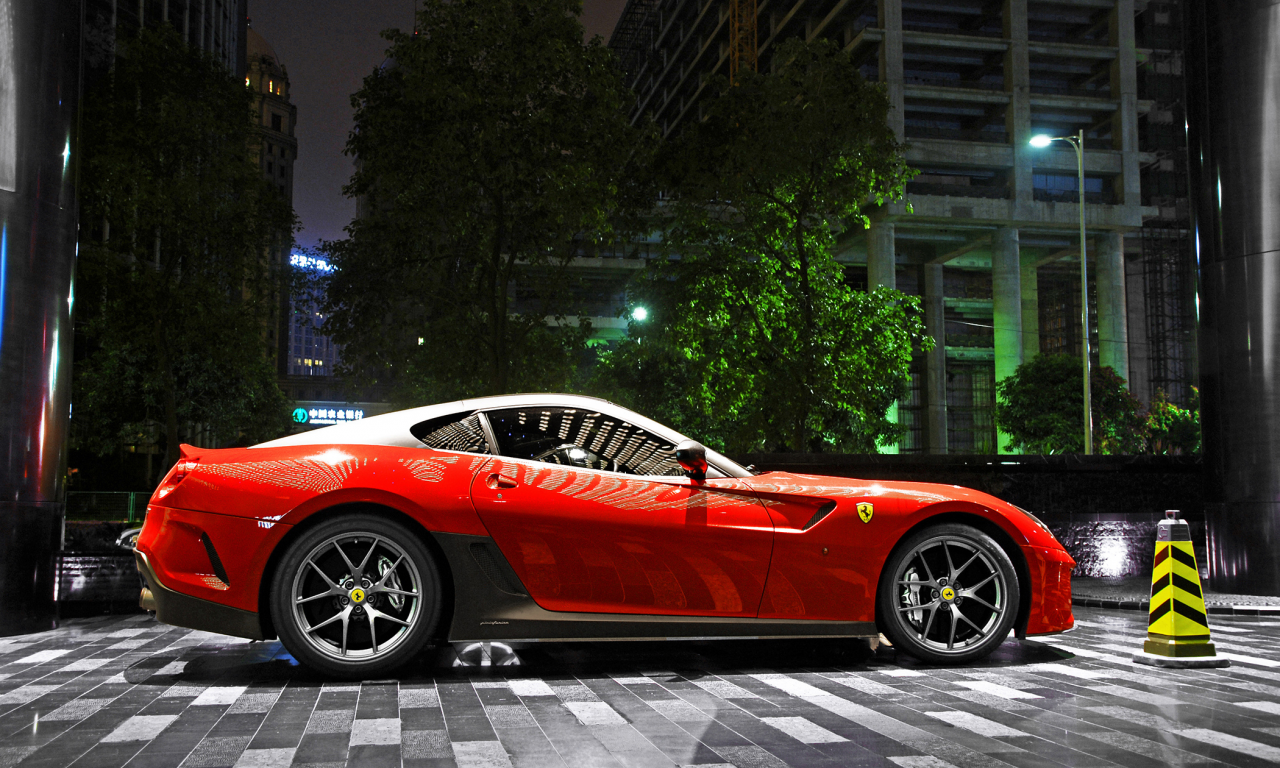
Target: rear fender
{"points": [[456, 517]]}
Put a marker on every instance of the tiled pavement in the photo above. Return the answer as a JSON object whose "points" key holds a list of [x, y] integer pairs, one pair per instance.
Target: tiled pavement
{"points": [[126, 691]]}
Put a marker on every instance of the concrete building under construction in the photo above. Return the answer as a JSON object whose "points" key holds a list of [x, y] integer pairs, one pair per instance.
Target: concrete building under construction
{"points": [[991, 239]]}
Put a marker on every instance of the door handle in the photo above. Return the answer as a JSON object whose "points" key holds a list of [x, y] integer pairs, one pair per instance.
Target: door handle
{"points": [[496, 481]]}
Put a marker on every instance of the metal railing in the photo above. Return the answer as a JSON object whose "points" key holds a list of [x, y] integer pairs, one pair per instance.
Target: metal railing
{"points": [[118, 506]]}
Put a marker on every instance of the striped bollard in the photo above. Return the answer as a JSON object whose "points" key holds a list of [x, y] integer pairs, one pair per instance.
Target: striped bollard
{"points": [[1178, 629]]}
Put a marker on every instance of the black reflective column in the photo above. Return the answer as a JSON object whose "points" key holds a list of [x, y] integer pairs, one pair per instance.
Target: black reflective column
{"points": [[1233, 95], [39, 95]]}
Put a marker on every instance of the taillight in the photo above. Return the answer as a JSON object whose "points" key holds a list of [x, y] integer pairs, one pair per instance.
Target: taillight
{"points": [[175, 476]]}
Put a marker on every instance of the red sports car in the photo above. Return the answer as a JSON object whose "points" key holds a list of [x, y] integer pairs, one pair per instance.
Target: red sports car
{"points": [[557, 517]]}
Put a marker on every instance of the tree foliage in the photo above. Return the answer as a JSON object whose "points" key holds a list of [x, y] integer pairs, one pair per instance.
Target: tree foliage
{"points": [[1171, 430], [756, 338], [1041, 408], [174, 286], [492, 148]]}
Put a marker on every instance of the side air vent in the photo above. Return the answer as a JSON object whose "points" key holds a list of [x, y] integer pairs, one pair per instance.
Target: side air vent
{"points": [[822, 512], [492, 563], [216, 561]]}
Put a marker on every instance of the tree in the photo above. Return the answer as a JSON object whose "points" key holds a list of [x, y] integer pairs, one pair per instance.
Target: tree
{"points": [[1173, 431], [756, 335], [174, 287], [491, 150], [1041, 408]]}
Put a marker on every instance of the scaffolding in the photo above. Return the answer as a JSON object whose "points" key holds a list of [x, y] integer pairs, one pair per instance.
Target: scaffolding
{"points": [[1167, 259], [743, 39], [1167, 283], [633, 37]]}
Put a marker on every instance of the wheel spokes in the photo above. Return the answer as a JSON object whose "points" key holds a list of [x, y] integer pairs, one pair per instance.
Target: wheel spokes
{"points": [[976, 628], [372, 546], [982, 583], [374, 613], [951, 566], [967, 563], [343, 614], [933, 611], [921, 607], [968, 595], [351, 569]]}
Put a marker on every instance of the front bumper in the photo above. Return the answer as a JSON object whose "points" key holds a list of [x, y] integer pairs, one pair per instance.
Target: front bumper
{"points": [[1050, 571], [182, 610]]}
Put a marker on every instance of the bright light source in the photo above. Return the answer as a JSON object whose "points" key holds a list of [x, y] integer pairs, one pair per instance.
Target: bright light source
{"points": [[1042, 140], [639, 314]]}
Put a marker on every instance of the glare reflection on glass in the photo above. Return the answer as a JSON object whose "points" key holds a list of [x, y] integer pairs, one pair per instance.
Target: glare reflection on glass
{"points": [[8, 102]]}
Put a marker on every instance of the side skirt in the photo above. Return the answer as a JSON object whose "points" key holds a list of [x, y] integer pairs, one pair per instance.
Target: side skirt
{"points": [[490, 603]]}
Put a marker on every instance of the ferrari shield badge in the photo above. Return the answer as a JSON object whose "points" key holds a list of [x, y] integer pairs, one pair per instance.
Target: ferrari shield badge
{"points": [[865, 510]]}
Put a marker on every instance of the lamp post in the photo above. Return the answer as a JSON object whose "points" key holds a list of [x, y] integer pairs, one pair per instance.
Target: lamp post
{"points": [[1077, 142]]}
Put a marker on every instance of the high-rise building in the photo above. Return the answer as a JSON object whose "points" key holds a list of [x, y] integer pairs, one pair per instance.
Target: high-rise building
{"points": [[214, 26], [311, 353], [277, 151], [991, 239]]}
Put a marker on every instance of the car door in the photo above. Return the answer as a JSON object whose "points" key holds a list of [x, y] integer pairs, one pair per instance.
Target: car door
{"points": [[587, 510]]}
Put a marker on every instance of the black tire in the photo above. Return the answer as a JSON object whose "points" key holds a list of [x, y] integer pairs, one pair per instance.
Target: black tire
{"points": [[949, 594], [369, 621]]}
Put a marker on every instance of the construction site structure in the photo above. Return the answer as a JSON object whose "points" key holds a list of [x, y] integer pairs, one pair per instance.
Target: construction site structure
{"points": [[990, 239]]}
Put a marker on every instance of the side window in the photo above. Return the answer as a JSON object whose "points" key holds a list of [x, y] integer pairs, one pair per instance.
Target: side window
{"points": [[581, 438], [455, 432]]}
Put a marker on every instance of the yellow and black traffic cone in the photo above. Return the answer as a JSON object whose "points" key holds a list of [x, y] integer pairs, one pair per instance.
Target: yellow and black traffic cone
{"points": [[1178, 630]]}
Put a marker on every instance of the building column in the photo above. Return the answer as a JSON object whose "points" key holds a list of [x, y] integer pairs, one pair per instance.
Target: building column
{"points": [[1124, 83], [1030, 308], [1017, 82], [881, 261], [936, 361], [1113, 326], [1006, 293], [890, 15], [881, 271], [38, 107]]}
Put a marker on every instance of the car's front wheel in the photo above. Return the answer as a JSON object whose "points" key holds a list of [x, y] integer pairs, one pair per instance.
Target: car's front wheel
{"points": [[948, 595], [356, 596]]}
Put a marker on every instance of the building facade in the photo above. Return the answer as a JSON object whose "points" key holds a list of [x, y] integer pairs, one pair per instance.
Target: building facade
{"points": [[990, 240], [217, 27], [277, 151]]}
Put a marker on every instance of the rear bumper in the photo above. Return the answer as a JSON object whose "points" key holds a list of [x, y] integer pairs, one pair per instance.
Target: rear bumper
{"points": [[182, 610]]}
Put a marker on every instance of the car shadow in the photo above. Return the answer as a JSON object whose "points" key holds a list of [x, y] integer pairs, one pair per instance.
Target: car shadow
{"points": [[269, 662]]}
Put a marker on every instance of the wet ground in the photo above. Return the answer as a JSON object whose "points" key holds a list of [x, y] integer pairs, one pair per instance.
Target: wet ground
{"points": [[117, 691]]}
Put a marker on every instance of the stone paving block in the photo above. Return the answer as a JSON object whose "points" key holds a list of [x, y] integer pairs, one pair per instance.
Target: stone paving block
{"points": [[425, 744], [140, 728], [481, 754], [216, 752], [375, 731], [1045, 702], [265, 758]]}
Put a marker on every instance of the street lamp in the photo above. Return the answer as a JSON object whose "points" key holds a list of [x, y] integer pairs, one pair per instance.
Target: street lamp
{"points": [[639, 314], [1041, 141]]}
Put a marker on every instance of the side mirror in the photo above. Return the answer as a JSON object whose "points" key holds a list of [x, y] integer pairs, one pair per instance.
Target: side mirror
{"points": [[692, 458]]}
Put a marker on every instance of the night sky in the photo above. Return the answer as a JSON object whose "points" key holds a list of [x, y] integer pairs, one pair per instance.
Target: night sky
{"points": [[328, 47]]}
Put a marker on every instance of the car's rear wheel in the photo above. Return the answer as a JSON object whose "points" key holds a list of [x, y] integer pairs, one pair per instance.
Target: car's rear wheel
{"points": [[356, 596], [948, 595]]}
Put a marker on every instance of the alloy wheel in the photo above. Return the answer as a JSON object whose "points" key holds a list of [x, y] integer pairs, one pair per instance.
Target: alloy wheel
{"points": [[951, 595], [356, 596]]}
